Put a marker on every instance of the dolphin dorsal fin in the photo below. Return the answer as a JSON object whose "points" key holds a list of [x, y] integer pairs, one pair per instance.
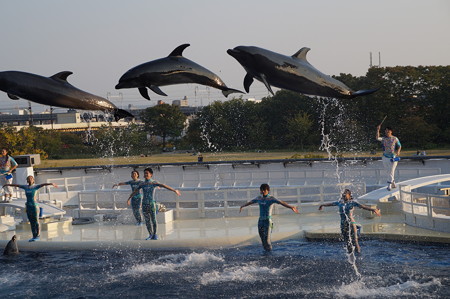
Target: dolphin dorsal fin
{"points": [[179, 50], [62, 76], [301, 54]]}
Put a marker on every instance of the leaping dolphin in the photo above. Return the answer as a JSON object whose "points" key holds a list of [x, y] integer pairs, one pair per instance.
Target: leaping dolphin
{"points": [[170, 70], [293, 73], [54, 91]]}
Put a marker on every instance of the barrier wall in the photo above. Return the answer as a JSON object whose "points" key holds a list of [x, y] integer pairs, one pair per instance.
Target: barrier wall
{"points": [[212, 203], [234, 175], [429, 211]]}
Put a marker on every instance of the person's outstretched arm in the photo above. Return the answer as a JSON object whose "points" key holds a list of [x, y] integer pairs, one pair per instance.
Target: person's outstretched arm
{"points": [[49, 184], [119, 184], [245, 205], [11, 185], [376, 210], [177, 192], [331, 204], [286, 205]]}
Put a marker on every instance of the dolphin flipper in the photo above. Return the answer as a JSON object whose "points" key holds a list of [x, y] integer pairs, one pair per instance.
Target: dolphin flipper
{"points": [[143, 91], [264, 80], [363, 92], [178, 51], [13, 97], [248, 80], [156, 90]]}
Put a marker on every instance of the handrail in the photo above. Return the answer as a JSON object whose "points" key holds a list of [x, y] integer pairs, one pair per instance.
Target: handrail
{"points": [[415, 199], [427, 211], [231, 162], [223, 202]]}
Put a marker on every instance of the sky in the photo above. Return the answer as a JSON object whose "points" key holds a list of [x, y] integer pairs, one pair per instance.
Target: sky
{"points": [[99, 40]]}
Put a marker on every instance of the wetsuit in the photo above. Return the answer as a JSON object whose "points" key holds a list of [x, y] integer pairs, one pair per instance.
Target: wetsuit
{"points": [[32, 207], [345, 208], [265, 218], [136, 200], [149, 204]]}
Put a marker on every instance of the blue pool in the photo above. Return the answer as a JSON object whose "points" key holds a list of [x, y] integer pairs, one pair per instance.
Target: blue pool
{"points": [[295, 269]]}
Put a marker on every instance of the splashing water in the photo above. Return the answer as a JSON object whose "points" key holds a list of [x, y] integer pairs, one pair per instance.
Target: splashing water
{"points": [[332, 105], [296, 269], [329, 105]]}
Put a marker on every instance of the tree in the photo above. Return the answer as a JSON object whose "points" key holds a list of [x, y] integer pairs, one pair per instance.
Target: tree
{"points": [[164, 120], [299, 127]]}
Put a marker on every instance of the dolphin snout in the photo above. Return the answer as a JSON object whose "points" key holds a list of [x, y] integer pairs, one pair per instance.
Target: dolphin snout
{"points": [[233, 52]]}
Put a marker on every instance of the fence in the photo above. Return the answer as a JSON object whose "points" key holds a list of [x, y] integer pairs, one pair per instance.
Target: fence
{"points": [[212, 203], [425, 210]]}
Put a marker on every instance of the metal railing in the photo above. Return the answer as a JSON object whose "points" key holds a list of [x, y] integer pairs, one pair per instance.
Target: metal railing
{"points": [[428, 211], [210, 178], [212, 203]]}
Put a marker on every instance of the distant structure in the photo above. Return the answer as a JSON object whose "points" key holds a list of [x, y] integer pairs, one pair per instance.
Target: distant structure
{"points": [[181, 103], [379, 60], [254, 100]]}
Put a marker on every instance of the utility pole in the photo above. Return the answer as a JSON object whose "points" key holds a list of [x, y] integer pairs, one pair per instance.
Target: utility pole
{"points": [[31, 114]]}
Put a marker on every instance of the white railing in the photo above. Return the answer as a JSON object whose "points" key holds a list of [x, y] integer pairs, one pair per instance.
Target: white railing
{"points": [[202, 177], [428, 211], [211, 203]]}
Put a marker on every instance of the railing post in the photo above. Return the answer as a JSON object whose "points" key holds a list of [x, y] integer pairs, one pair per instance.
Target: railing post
{"points": [[225, 204], [429, 208], [201, 205]]}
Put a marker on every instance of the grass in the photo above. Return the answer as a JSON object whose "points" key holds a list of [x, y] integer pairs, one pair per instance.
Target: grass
{"points": [[208, 157]]}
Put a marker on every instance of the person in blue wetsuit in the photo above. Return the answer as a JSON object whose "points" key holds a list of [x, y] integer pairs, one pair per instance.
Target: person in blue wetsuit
{"points": [[149, 203], [31, 205], [265, 202], [349, 228], [136, 200]]}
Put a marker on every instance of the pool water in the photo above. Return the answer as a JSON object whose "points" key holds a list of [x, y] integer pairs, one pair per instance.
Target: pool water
{"points": [[295, 269]]}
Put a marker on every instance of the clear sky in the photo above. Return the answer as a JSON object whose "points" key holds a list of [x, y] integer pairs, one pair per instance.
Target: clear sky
{"points": [[99, 40]]}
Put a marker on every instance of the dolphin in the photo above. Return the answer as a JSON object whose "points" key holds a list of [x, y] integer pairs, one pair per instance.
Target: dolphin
{"points": [[293, 73], [11, 248], [54, 91], [170, 70]]}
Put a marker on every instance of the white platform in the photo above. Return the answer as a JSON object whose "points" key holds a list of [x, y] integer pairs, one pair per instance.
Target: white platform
{"points": [[383, 195]]}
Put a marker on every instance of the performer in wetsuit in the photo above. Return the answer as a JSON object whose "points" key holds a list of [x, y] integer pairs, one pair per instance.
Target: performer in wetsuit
{"points": [[348, 225], [266, 201], [31, 205], [148, 203], [7, 166], [136, 200]]}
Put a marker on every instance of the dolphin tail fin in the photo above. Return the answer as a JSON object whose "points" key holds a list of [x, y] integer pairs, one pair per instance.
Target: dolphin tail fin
{"points": [[226, 92], [363, 92], [120, 113]]}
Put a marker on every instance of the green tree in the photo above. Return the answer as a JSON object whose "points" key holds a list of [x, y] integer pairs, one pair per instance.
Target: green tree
{"points": [[299, 128], [164, 121]]}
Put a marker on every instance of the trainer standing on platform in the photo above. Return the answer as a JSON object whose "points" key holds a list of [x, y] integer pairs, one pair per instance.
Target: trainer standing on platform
{"points": [[7, 166], [391, 152]]}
